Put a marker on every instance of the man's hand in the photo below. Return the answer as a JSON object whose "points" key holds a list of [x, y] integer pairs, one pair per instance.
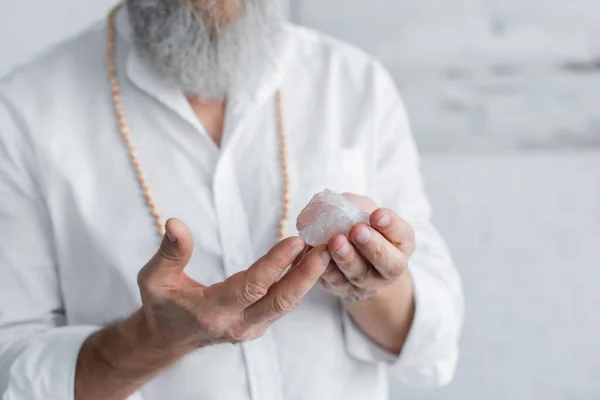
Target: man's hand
{"points": [[373, 257], [182, 312], [180, 315], [371, 265]]}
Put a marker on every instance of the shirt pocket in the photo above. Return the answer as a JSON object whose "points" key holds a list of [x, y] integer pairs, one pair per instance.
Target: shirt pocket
{"points": [[342, 171]]}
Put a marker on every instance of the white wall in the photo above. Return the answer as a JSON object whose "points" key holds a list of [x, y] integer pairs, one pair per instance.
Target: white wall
{"points": [[525, 230], [482, 74], [28, 26]]}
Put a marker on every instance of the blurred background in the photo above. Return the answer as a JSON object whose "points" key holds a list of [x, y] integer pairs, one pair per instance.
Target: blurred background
{"points": [[504, 96]]}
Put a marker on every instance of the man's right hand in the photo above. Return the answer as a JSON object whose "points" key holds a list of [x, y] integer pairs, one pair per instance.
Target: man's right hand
{"points": [[182, 313]]}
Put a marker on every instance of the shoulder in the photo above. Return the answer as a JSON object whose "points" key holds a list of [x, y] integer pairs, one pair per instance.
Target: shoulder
{"points": [[47, 101], [334, 58], [46, 77]]}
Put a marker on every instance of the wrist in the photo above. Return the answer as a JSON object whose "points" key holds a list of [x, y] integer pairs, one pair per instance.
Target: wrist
{"points": [[399, 294], [116, 361], [143, 336], [130, 345], [387, 316]]}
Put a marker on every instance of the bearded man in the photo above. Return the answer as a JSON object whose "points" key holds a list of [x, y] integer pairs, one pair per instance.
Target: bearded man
{"points": [[223, 115]]}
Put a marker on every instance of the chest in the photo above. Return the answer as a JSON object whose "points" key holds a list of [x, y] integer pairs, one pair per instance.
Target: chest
{"points": [[231, 198]]}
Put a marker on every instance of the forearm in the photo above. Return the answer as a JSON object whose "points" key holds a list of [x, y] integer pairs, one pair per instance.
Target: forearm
{"points": [[387, 317], [115, 362]]}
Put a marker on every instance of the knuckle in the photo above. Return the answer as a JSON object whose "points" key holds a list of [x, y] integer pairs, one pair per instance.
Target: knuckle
{"points": [[354, 291], [212, 324], [362, 277], [260, 331], [395, 272], [410, 233], [173, 294], [398, 268], [279, 252], [345, 265], [289, 243], [271, 260], [238, 334], [331, 269], [142, 279], [243, 334], [411, 247], [283, 304], [272, 263], [338, 284], [252, 291], [169, 253], [312, 276], [146, 283], [403, 263], [407, 241], [325, 284], [379, 252]]}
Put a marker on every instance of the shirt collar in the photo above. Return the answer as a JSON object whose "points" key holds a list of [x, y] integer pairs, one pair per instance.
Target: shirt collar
{"points": [[252, 93], [147, 80]]}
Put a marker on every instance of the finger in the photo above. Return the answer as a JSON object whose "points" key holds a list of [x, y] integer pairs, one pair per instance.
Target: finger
{"points": [[174, 253], [247, 287], [299, 258], [387, 259], [338, 284], [334, 280], [286, 294], [351, 264], [395, 229]]}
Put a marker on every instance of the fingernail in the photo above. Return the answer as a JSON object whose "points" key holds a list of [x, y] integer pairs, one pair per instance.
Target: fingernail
{"points": [[326, 257], [384, 221], [170, 237], [363, 236], [343, 251]]}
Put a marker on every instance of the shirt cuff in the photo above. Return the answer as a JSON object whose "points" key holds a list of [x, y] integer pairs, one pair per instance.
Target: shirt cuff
{"points": [[430, 353], [46, 367]]}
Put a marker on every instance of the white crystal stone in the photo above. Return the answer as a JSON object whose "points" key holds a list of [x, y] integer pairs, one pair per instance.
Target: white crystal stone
{"points": [[328, 214]]}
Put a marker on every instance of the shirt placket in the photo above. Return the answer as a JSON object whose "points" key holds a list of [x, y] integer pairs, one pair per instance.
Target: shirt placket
{"points": [[259, 355]]}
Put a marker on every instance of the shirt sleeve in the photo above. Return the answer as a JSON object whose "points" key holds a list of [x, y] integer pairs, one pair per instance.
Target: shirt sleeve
{"points": [[38, 353], [430, 352]]}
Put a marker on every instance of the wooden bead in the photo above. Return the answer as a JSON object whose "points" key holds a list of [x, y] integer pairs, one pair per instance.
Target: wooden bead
{"points": [[127, 140]]}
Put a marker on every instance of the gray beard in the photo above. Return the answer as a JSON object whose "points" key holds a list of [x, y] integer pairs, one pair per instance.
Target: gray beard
{"points": [[177, 43]]}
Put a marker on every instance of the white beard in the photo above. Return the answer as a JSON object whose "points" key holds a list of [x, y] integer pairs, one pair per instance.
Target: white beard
{"points": [[176, 42]]}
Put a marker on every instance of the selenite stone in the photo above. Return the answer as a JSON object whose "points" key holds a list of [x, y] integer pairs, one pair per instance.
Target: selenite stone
{"points": [[328, 214]]}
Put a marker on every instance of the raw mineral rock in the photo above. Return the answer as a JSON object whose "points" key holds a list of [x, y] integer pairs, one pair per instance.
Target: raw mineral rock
{"points": [[328, 214]]}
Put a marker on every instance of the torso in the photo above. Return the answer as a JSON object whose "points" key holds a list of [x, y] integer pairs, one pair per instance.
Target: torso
{"points": [[230, 197]]}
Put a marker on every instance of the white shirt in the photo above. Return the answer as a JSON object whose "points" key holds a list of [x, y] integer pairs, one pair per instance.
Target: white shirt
{"points": [[74, 228]]}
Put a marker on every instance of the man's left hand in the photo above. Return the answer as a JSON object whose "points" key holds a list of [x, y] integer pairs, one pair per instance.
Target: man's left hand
{"points": [[372, 256]]}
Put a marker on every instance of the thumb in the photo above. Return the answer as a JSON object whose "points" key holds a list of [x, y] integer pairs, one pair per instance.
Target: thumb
{"points": [[175, 249]]}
